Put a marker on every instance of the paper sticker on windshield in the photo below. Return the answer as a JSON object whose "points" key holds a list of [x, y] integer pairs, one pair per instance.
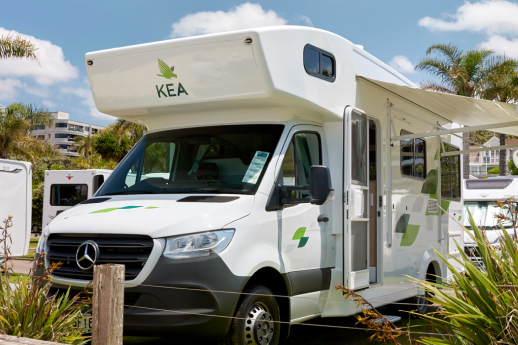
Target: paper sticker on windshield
{"points": [[255, 168]]}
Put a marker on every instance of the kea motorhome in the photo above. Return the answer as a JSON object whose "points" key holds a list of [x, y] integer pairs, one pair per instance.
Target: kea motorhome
{"points": [[16, 201], [279, 161], [64, 189]]}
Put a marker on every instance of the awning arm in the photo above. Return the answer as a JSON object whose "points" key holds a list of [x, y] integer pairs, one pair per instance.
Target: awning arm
{"points": [[413, 136], [480, 149], [453, 130]]}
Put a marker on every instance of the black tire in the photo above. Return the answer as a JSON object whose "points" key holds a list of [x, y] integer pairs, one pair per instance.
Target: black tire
{"points": [[249, 313]]}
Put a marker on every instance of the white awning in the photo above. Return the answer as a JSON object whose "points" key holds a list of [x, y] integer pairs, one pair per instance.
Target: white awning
{"points": [[458, 109]]}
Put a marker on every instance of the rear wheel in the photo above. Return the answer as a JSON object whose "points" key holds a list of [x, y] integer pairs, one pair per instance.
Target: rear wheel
{"points": [[256, 319]]}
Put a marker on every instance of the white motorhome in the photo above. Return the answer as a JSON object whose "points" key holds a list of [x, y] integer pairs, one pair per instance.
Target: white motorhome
{"points": [[480, 198], [231, 188], [64, 189], [16, 201]]}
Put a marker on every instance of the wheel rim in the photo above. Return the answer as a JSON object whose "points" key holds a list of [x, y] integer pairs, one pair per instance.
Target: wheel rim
{"points": [[422, 304], [259, 325]]}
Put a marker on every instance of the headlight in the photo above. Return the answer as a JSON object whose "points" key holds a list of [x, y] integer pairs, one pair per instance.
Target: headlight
{"points": [[42, 243], [197, 245]]}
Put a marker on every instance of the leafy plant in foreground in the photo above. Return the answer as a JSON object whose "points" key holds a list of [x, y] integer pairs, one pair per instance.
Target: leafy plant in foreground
{"points": [[481, 307], [26, 310]]}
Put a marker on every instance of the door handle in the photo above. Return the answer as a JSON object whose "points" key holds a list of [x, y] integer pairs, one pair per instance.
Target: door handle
{"points": [[323, 218]]}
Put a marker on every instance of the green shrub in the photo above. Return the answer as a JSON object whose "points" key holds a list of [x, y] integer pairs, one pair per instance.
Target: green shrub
{"points": [[37, 207], [27, 311], [483, 308], [494, 171]]}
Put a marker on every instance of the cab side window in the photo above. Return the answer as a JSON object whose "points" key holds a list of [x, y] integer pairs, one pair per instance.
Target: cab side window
{"points": [[303, 152]]}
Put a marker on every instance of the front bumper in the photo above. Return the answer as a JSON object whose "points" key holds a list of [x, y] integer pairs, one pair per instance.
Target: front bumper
{"points": [[191, 311]]}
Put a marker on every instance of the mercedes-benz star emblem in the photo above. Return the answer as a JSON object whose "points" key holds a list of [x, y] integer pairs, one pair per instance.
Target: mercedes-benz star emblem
{"points": [[87, 255]]}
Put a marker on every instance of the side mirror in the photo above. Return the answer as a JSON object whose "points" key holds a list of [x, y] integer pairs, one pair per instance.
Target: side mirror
{"points": [[320, 191], [97, 183]]}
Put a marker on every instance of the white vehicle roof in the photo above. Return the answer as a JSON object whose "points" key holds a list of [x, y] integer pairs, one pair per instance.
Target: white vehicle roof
{"points": [[220, 72], [490, 189]]}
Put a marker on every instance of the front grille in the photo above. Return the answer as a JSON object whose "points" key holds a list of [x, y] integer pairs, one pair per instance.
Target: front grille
{"points": [[132, 251]]}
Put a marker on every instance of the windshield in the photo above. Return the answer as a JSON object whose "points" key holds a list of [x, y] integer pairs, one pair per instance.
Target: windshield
{"points": [[483, 214], [221, 159]]}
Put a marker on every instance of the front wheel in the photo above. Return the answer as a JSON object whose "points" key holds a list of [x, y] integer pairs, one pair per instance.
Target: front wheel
{"points": [[256, 319]]}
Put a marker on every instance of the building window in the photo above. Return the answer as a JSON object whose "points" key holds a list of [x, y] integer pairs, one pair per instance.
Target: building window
{"points": [[319, 63], [60, 135], [450, 174], [76, 128], [61, 124], [413, 157], [62, 146], [37, 127]]}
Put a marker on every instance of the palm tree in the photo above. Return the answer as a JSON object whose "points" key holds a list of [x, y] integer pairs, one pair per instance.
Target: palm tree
{"points": [[85, 145], [16, 123], [17, 47], [476, 73]]}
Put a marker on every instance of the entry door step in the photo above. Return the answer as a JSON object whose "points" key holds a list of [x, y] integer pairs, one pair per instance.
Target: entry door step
{"points": [[391, 318]]}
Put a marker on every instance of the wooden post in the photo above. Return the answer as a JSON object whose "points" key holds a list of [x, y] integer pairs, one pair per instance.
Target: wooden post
{"points": [[108, 304]]}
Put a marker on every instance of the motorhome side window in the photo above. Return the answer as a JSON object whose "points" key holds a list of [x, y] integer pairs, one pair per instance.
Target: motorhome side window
{"points": [[219, 159], [68, 194], [450, 173], [413, 157], [303, 152], [319, 63]]}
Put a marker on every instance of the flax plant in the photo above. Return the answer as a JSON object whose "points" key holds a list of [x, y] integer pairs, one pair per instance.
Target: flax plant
{"points": [[481, 307], [28, 310]]}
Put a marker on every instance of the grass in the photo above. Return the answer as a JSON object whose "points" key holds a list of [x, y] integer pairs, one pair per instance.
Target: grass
{"points": [[15, 277], [311, 335], [34, 242]]}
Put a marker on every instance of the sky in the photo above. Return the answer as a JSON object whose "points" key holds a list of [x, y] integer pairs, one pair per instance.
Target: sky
{"points": [[397, 32]]}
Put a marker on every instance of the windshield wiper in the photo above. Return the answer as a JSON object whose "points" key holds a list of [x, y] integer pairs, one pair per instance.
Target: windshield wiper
{"points": [[132, 192]]}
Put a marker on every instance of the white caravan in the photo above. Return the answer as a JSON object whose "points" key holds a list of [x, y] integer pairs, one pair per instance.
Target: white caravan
{"points": [[480, 198], [64, 189], [16, 201], [231, 188]]}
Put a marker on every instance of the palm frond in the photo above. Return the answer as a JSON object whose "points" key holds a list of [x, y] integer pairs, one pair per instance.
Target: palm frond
{"points": [[450, 50], [432, 86], [17, 47]]}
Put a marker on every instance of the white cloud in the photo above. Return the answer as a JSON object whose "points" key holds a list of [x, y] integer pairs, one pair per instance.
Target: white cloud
{"points": [[49, 104], [88, 100], [244, 16], [402, 64], [502, 46], [9, 88], [52, 67], [487, 16]]}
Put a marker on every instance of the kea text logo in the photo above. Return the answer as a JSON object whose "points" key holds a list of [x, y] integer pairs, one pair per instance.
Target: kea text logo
{"points": [[167, 90]]}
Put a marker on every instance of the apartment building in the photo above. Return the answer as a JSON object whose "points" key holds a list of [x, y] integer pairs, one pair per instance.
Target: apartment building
{"points": [[64, 132], [481, 162]]}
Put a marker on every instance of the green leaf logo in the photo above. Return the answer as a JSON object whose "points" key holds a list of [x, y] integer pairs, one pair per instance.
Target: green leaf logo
{"points": [[165, 70], [299, 235]]}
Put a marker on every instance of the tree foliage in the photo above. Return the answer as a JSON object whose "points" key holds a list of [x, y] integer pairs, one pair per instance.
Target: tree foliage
{"points": [[16, 123], [17, 47], [476, 73]]}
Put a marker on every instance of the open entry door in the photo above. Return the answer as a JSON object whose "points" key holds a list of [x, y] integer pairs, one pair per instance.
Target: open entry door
{"points": [[356, 184]]}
